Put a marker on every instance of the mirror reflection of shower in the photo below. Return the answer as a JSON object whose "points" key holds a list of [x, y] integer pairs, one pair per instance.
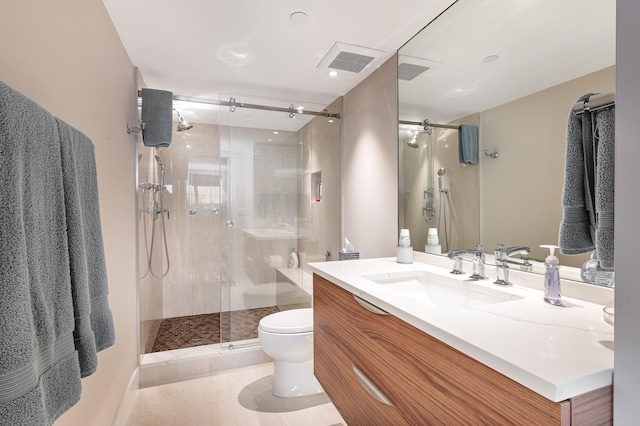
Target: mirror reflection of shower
{"points": [[442, 216], [153, 195], [432, 186]]}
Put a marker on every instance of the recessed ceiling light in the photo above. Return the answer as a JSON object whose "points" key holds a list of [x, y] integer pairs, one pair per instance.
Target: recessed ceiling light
{"points": [[332, 73], [491, 58], [276, 132], [299, 17]]}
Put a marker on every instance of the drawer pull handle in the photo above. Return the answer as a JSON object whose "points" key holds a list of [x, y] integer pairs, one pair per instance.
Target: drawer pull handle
{"points": [[369, 306], [370, 387]]}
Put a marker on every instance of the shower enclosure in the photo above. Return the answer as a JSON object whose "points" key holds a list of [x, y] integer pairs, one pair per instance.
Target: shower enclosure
{"points": [[436, 192], [240, 191]]}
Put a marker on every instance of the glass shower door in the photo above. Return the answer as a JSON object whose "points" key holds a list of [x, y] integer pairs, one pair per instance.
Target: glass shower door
{"points": [[260, 218]]}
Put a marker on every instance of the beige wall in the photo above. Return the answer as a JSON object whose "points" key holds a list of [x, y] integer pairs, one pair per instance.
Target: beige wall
{"points": [[66, 56], [626, 386], [370, 163], [521, 191], [321, 160]]}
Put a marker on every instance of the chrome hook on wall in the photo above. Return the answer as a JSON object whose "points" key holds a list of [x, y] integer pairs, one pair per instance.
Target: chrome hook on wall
{"points": [[494, 154], [135, 129]]}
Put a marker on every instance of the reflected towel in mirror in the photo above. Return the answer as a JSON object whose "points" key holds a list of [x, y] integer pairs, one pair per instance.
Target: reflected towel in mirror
{"points": [[468, 144], [604, 137], [578, 222]]}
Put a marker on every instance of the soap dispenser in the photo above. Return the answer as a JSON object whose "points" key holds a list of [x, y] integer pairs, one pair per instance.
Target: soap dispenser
{"points": [[293, 259], [552, 278]]}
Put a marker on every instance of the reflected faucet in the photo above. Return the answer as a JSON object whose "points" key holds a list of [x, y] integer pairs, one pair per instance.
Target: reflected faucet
{"points": [[502, 255], [476, 256]]}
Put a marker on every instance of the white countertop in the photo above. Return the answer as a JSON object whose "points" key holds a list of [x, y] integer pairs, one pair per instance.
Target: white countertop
{"points": [[558, 352]]}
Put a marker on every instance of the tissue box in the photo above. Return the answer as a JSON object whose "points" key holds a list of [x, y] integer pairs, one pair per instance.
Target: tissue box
{"points": [[348, 256]]}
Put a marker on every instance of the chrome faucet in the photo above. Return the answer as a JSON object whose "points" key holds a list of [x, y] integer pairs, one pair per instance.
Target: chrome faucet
{"points": [[476, 256], [502, 255]]}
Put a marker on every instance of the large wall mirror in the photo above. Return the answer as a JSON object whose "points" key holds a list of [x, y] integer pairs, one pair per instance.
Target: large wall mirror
{"points": [[513, 70]]}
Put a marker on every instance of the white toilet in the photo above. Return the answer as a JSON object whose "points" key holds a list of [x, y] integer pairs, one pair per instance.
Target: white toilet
{"points": [[287, 337]]}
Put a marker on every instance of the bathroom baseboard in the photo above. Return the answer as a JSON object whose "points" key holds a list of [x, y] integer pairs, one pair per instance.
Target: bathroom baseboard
{"points": [[126, 402]]}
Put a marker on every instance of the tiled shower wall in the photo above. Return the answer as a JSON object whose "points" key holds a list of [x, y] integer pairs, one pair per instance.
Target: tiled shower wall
{"points": [[320, 221], [462, 203], [194, 181], [219, 174], [193, 200]]}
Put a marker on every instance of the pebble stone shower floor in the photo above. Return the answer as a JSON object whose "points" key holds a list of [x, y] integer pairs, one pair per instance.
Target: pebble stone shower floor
{"points": [[197, 330]]}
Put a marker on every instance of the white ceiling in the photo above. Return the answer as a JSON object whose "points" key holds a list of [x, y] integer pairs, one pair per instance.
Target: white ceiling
{"points": [[204, 48], [540, 43], [254, 51]]}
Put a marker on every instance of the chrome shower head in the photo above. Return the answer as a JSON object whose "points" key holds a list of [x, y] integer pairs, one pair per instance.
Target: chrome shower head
{"points": [[441, 172], [413, 143], [182, 123]]}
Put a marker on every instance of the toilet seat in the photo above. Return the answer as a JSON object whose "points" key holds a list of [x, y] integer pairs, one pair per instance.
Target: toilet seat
{"points": [[288, 322]]}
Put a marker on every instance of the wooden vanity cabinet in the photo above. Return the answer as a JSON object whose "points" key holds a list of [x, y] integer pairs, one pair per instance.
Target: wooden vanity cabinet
{"points": [[348, 395], [427, 381]]}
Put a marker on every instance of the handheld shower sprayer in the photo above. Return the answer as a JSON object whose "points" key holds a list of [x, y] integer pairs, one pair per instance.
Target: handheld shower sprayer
{"points": [[442, 214], [157, 210], [161, 164], [441, 172]]}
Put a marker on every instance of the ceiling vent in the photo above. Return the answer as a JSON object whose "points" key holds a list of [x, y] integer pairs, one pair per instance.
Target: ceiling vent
{"points": [[352, 62], [410, 67], [349, 57], [408, 72]]}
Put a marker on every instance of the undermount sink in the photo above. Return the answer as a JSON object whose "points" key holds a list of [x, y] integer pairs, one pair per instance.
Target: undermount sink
{"points": [[440, 291]]}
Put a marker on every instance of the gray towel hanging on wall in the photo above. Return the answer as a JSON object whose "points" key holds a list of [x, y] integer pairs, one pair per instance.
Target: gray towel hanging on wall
{"points": [[157, 112]]}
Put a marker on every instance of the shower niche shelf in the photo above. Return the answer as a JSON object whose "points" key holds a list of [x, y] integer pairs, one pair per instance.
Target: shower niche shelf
{"points": [[316, 187]]}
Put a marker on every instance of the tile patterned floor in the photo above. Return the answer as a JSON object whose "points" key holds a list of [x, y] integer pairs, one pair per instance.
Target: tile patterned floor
{"points": [[239, 397], [196, 330]]}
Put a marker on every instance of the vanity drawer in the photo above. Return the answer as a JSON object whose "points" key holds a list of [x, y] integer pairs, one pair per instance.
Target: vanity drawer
{"points": [[427, 380], [356, 405]]}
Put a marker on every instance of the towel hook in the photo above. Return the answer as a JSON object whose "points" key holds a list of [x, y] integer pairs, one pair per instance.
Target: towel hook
{"points": [[494, 154], [135, 129]]}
